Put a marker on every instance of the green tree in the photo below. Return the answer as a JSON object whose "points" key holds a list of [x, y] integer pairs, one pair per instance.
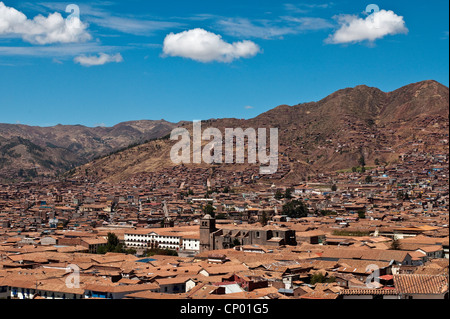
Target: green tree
{"points": [[362, 161], [402, 195], [333, 188], [209, 209], [369, 179], [317, 278], [236, 242], [327, 212], [295, 209], [278, 195], [361, 214], [288, 193], [113, 245], [159, 251]]}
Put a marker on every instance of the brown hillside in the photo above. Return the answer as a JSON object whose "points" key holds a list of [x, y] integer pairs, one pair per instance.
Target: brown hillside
{"points": [[331, 134]]}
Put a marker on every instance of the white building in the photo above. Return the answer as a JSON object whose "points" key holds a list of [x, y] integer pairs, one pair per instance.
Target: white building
{"points": [[173, 238]]}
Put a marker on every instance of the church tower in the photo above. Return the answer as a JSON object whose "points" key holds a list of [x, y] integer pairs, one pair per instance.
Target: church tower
{"points": [[168, 222], [207, 227]]}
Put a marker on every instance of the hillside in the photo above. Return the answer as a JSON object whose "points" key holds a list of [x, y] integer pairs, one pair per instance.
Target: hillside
{"points": [[30, 151], [335, 133]]}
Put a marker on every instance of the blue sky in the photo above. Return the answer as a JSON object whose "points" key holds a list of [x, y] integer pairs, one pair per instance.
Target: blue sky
{"points": [[186, 60]]}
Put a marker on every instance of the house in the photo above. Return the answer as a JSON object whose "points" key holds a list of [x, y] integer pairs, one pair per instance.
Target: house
{"points": [[395, 256], [246, 283], [93, 244], [174, 285], [47, 289], [415, 286], [116, 291], [369, 294], [311, 237], [432, 251]]}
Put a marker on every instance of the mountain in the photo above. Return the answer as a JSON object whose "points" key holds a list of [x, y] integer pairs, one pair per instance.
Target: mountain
{"points": [[31, 151], [336, 133]]}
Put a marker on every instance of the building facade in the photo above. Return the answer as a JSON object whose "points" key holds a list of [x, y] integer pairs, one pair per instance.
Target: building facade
{"points": [[212, 238]]}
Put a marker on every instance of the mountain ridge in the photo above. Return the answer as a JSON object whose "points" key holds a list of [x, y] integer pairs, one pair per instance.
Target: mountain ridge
{"points": [[331, 134], [30, 151]]}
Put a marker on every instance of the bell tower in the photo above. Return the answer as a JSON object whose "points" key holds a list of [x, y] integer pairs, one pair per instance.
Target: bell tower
{"points": [[168, 222], [207, 227]]}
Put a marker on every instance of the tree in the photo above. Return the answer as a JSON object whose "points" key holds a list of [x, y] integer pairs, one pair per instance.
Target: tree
{"points": [[209, 209], [361, 214], [295, 209], [288, 193], [321, 278], [159, 251], [333, 188], [317, 278], [113, 245], [370, 122], [369, 179], [362, 161], [395, 244], [402, 195], [236, 242], [278, 195]]}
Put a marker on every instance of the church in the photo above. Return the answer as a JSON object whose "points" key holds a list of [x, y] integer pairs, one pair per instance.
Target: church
{"points": [[228, 236]]}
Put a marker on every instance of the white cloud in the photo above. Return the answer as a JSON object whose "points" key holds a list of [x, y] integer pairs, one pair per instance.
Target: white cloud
{"points": [[304, 8], [59, 51], [101, 59], [98, 13], [42, 30], [270, 29], [376, 26], [132, 25], [309, 23], [203, 46], [244, 27]]}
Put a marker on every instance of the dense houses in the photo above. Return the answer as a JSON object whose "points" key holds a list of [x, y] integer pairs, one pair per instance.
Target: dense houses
{"points": [[208, 233]]}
